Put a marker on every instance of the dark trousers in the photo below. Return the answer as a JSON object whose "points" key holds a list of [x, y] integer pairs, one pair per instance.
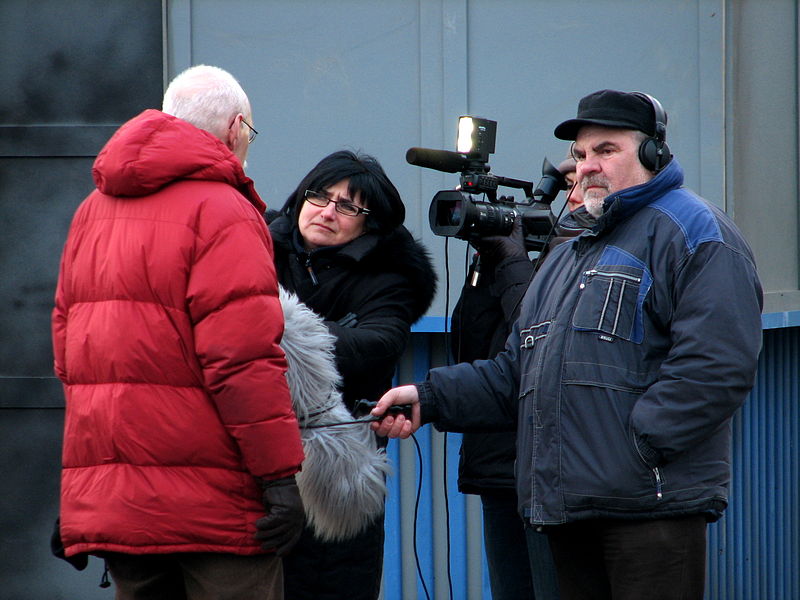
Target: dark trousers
{"points": [[342, 570], [519, 560], [603, 559], [196, 576]]}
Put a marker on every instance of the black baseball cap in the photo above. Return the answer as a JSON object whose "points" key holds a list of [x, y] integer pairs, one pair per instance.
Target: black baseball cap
{"points": [[610, 108]]}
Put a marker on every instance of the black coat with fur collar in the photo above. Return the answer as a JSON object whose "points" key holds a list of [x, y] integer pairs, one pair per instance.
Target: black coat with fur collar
{"points": [[369, 292]]}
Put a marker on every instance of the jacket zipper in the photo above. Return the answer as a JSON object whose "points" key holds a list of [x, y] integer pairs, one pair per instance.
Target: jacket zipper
{"points": [[656, 472], [593, 272], [310, 270], [659, 494]]}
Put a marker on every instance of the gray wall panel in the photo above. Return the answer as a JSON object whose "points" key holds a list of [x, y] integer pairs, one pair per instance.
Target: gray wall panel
{"points": [[38, 199], [383, 77], [71, 73], [763, 143], [70, 62], [30, 446]]}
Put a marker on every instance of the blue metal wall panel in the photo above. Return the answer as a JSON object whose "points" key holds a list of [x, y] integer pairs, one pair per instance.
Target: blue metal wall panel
{"points": [[392, 547], [753, 551]]}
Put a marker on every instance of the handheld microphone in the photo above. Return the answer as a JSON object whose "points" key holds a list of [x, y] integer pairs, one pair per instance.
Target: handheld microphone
{"points": [[364, 406], [440, 160]]}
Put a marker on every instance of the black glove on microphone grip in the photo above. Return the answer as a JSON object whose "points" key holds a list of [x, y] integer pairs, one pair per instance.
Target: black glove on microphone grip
{"points": [[280, 529], [497, 248]]}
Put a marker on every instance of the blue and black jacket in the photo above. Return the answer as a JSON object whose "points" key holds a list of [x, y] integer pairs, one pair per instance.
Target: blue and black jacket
{"points": [[636, 343]]}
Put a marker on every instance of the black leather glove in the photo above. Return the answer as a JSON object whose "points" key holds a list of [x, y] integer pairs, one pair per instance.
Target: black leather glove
{"points": [[79, 561], [497, 248], [282, 526]]}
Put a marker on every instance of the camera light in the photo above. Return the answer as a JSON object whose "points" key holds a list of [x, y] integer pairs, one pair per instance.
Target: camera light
{"points": [[465, 139], [476, 137]]}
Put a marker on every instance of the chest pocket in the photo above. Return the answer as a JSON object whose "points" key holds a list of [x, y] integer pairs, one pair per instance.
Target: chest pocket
{"points": [[612, 296]]}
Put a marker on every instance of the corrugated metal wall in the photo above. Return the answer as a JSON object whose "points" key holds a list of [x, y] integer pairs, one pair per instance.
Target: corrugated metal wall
{"points": [[753, 552]]}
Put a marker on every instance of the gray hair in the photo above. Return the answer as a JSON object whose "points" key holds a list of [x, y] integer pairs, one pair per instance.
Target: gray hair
{"points": [[207, 97]]}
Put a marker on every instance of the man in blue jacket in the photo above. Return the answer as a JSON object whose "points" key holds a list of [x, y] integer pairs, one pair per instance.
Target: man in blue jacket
{"points": [[636, 343]]}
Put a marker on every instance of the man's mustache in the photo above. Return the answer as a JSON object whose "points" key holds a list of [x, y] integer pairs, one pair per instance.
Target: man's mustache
{"points": [[594, 180]]}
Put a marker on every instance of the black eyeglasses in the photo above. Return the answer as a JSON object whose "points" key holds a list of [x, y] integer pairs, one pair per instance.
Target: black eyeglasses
{"points": [[253, 132], [343, 207]]}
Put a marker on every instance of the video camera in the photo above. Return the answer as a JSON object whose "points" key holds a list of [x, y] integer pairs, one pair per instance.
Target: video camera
{"points": [[455, 213]]}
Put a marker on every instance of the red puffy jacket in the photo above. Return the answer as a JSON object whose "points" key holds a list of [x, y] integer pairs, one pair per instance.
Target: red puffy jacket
{"points": [[165, 334]]}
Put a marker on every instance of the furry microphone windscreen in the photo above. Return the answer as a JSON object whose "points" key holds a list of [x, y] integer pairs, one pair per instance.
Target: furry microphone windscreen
{"points": [[343, 479]]}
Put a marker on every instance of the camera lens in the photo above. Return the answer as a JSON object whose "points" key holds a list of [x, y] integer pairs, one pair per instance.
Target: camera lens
{"points": [[453, 212]]}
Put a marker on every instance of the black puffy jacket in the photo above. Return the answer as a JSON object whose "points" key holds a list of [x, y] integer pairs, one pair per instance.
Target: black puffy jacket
{"points": [[369, 292]]}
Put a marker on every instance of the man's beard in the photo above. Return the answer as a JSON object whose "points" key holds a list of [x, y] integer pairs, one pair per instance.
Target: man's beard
{"points": [[593, 199]]}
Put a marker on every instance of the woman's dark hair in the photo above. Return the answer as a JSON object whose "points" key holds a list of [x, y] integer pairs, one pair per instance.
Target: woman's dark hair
{"points": [[367, 177]]}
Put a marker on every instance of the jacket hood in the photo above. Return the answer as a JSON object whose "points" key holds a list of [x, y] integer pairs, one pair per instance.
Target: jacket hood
{"points": [[396, 252], [155, 149]]}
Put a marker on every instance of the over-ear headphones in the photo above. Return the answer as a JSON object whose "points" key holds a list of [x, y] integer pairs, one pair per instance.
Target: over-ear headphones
{"points": [[654, 154]]}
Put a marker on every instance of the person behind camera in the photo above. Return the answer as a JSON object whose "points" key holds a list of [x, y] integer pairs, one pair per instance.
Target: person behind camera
{"points": [[165, 335], [482, 320], [623, 370], [578, 218], [341, 246]]}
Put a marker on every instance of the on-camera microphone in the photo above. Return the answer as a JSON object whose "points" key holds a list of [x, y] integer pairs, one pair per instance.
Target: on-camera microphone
{"points": [[440, 160]]}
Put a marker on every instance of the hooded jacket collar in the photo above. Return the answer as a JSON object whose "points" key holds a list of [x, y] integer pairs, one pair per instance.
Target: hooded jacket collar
{"points": [[395, 252], [621, 205], [155, 149]]}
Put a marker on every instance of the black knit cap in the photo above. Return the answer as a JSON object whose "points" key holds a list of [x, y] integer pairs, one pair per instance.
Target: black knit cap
{"points": [[610, 108]]}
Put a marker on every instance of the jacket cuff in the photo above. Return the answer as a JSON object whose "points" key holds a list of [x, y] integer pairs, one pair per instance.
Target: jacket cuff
{"points": [[427, 402]]}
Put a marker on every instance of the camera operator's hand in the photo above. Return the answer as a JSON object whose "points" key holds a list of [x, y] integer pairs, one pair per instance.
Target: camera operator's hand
{"points": [[282, 526], [497, 248]]}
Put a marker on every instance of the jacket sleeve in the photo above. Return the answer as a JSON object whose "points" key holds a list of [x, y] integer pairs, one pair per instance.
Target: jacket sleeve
{"points": [[513, 277], [484, 313], [238, 323], [710, 368], [477, 396], [59, 327]]}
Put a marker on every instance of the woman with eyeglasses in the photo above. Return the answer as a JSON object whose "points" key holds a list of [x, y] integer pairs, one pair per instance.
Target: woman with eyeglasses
{"points": [[341, 246]]}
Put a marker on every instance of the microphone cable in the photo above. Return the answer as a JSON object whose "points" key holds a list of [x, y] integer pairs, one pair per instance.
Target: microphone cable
{"points": [[420, 464], [416, 516], [444, 438]]}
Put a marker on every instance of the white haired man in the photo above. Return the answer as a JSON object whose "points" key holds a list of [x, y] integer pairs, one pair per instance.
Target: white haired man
{"points": [[180, 443]]}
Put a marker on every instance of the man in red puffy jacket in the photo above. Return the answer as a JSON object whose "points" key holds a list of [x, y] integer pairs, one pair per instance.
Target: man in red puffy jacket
{"points": [[180, 443]]}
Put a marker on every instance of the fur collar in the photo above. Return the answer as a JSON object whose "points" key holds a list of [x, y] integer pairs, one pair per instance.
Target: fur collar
{"points": [[396, 252]]}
